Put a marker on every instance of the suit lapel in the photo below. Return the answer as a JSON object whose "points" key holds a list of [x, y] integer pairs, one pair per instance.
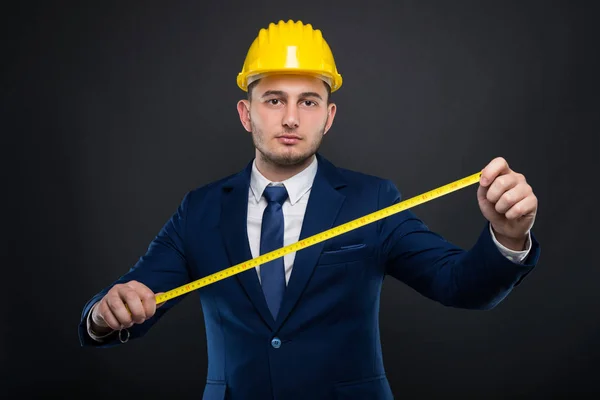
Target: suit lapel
{"points": [[234, 229], [323, 206]]}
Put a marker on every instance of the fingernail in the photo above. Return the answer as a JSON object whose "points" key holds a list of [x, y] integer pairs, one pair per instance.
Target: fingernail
{"points": [[484, 181]]}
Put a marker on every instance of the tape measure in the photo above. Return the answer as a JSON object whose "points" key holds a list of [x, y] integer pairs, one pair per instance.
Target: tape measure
{"points": [[319, 237]]}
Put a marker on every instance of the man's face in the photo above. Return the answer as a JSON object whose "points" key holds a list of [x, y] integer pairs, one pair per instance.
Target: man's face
{"points": [[288, 117]]}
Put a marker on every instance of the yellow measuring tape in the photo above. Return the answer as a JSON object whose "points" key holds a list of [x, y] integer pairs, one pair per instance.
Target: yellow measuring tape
{"points": [[319, 237]]}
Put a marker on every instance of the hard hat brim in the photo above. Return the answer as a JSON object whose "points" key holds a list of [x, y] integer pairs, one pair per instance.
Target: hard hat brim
{"points": [[243, 80]]}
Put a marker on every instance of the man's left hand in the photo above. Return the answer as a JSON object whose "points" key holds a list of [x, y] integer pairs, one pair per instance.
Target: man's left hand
{"points": [[507, 201]]}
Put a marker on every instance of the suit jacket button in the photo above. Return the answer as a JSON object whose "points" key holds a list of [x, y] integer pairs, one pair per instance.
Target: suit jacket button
{"points": [[276, 343]]}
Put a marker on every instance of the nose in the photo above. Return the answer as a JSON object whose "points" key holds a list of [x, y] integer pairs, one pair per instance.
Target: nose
{"points": [[290, 119]]}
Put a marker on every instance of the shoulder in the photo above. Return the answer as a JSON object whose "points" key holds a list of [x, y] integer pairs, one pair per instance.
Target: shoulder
{"points": [[362, 182], [210, 191], [354, 177]]}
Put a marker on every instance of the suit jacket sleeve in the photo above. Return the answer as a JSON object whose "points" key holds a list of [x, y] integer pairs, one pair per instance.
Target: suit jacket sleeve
{"points": [[163, 267], [478, 278]]}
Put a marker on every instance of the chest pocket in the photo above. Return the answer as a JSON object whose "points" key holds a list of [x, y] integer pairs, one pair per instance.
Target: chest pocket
{"points": [[345, 253]]}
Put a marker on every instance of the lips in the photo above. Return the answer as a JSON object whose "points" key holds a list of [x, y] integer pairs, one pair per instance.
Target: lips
{"points": [[288, 139]]}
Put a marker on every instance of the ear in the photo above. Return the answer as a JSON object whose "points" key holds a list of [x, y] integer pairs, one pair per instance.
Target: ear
{"points": [[331, 109], [243, 108]]}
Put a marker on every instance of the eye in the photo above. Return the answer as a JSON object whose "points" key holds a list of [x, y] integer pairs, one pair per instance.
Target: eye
{"points": [[309, 103], [273, 102]]}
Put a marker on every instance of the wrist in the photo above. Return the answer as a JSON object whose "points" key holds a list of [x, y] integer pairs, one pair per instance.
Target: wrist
{"points": [[97, 323], [511, 243]]}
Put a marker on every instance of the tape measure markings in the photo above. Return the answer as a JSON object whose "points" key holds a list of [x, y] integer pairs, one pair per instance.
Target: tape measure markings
{"points": [[319, 237]]}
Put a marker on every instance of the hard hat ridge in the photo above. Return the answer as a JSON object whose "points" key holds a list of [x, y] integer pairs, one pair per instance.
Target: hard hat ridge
{"points": [[289, 47]]}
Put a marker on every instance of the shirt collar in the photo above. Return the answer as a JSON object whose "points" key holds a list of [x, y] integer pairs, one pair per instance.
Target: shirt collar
{"points": [[296, 186]]}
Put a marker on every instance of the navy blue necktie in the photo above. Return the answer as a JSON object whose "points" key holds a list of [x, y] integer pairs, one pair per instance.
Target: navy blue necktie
{"points": [[272, 273]]}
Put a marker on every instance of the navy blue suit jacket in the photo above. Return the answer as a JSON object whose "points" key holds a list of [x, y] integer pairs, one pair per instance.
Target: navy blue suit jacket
{"points": [[327, 341]]}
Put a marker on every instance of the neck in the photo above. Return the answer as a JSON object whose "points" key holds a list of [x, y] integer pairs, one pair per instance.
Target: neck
{"points": [[279, 173]]}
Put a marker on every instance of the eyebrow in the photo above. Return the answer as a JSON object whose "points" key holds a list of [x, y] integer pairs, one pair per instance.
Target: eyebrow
{"points": [[283, 94]]}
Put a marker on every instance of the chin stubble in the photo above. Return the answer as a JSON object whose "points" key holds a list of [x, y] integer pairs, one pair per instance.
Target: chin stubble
{"points": [[286, 159]]}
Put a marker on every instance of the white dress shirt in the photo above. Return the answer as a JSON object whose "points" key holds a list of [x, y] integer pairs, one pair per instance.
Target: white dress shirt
{"points": [[294, 207]]}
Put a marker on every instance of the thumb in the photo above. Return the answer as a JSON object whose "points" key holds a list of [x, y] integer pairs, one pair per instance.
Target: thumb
{"points": [[487, 208], [482, 193]]}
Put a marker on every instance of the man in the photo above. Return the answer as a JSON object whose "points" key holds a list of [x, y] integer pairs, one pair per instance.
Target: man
{"points": [[305, 326]]}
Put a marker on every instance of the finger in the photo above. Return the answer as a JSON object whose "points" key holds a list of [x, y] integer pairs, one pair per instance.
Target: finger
{"points": [[138, 287], [106, 314], [118, 309], [148, 302], [524, 207], [135, 285], [512, 197], [134, 303], [146, 296], [501, 185], [498, 166]]}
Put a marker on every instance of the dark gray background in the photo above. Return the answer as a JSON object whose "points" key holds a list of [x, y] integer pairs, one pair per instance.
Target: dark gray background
{"points": [[111, 112]]}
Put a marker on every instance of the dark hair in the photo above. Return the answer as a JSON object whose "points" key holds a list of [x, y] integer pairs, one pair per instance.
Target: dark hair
{"points": [[253, 84]]}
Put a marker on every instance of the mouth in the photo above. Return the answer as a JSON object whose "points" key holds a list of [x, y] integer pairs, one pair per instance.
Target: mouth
{"points": [[288, 139]]}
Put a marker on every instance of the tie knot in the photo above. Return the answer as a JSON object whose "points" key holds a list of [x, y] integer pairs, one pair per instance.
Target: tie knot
{"points": [[275, 193]]}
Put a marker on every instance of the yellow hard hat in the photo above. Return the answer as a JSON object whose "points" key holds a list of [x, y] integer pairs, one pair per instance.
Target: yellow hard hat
{"points": [[293, 48]]}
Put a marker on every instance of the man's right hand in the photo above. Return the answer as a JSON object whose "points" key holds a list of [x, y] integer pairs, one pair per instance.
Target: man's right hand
{"points": [[124, 305]]}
